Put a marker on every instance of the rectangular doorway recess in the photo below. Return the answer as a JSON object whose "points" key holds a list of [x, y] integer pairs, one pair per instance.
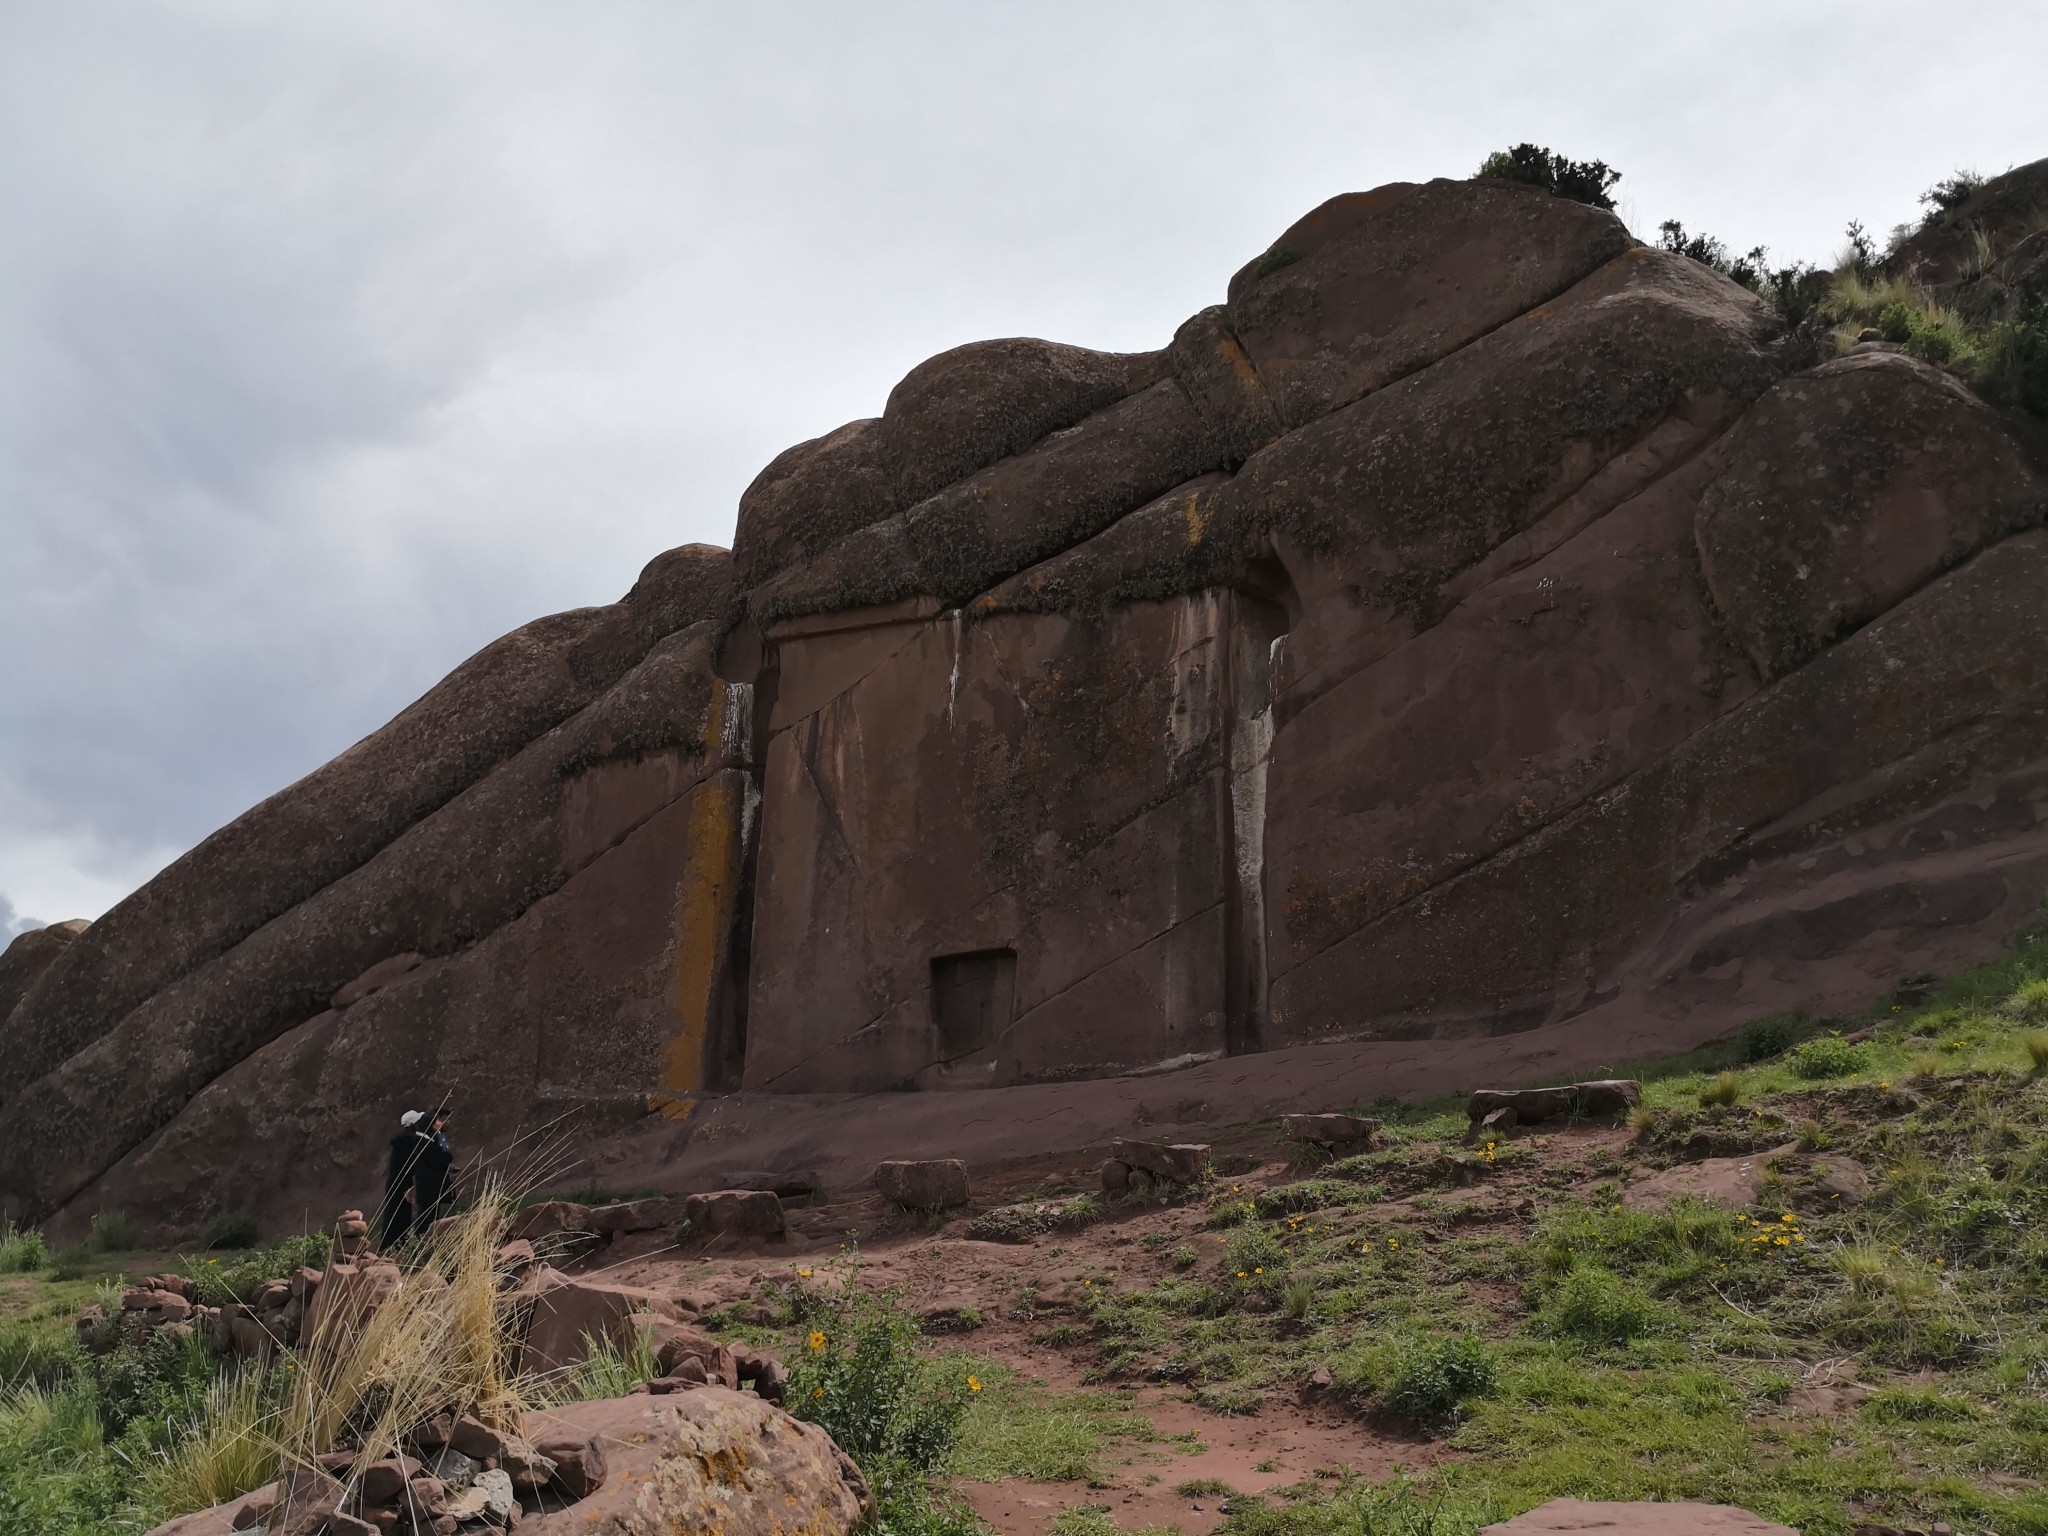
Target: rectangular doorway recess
{"points": [[972, 995]]}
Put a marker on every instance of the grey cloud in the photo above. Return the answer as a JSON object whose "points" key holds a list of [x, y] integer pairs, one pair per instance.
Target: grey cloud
{"points": [[341, 339]]}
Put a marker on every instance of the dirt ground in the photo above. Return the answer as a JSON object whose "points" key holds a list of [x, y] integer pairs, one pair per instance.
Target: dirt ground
{"points": [[1016, 1289]]}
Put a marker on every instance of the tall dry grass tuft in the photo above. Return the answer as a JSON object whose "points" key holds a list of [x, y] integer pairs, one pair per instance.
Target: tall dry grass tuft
{"points": [[443, 1340], [231, 1449]]}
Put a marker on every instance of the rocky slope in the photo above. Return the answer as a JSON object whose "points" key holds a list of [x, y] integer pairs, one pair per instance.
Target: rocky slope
{"points": [[1477, 625]]}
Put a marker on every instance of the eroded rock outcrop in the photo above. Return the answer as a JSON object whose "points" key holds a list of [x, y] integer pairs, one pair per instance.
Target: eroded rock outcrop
{"points": [[1473, 623]]}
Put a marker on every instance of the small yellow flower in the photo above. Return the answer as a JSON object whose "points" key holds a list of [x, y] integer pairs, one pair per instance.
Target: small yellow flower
{"points": [[817, 1391], [1240, 1274], [1393, 1242], [817, 1341], [803, 1274], [1260, 1270], [974, 1384]]}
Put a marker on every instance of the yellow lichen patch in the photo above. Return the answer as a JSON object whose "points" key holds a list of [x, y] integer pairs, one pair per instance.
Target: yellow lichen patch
{"points": [[1198, 515], [710, 889]]}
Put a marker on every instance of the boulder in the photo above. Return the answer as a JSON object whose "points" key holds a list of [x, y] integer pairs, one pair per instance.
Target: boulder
{"points": [[932, 1184], [1374, 286], [1330, 1130], [1177, 1162], [1848, 488], [550, 1218], [348, 1293], [1611, 1096], [1569, 1517], [308, 1500], [28, 955], [734, 1213], [475, 1439], [676, 1344], [703, 1460], [657, 1213], [577, 1456], [565, 1312]]}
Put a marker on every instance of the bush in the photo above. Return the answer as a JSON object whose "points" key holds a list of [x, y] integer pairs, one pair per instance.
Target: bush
{"points": [[1761, 1039], [1826, 1056], [1948, 193], [113, 1232], [218, 1282], [859, 1377], [2012, 362], [1583, 181], [232, 1229], [21, 1250], [1595, 1306], [1432, 1381]]}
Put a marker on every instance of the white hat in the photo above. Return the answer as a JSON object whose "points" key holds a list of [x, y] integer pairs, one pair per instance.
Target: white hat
{"points": [[410, 1118]]}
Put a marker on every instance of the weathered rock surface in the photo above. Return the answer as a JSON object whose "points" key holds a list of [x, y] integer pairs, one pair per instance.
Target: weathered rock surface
{"points": [[1612, 1096], [930, 1184], [708, 1460], [1476, 626], [28, 955]]}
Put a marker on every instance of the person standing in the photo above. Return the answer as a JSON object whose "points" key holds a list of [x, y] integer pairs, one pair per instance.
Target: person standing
{"points": [[395, 1215], [432, 1159]]}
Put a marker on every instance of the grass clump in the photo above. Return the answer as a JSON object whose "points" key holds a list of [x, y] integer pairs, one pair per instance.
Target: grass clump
{"points": [[1825, 1056], [1725, 1089], [113, 1232], [1597, 1307], [1432, 1380], [22, 1250]]}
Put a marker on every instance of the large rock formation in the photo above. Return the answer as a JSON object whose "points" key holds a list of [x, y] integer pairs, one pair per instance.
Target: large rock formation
{"points": [[1474, 621]]}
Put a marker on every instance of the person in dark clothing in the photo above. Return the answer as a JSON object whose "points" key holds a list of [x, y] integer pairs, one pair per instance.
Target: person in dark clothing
{"points": [[395, 1215], [431, 1161]]}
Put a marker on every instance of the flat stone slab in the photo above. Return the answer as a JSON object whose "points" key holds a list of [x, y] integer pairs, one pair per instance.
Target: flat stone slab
{"points": [[1609, 1096], [1730, 1181], [1329, 1130], [1181, 1162], [1562, 1516]]}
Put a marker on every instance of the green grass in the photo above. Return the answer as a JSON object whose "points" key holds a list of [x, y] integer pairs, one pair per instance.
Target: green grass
{"points": [[1601, 1351], [1014, 1428]]}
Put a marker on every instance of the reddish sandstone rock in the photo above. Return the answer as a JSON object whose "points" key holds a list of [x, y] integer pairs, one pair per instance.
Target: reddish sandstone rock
{"points": [[1848, 488], [734, 1213], [565, 1312], [669, 1464], [934, 1184], [1613, 1096]]}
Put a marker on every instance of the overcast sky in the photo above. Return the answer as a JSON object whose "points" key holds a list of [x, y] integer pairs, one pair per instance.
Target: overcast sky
{"points": [[337, 338]]}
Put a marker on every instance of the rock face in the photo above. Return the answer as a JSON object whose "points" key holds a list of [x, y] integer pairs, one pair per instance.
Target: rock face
{"points": [[1469, 626]]}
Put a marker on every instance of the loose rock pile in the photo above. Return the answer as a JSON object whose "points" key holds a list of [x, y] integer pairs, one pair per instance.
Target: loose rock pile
{"points": [[1138, 1167]]}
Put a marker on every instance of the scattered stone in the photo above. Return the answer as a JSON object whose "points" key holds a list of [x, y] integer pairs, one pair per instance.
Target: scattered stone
{"points": [[1498, 1121], [384, 1481], [254, 1509], [579, 1463], [933, 1184], [307, 1499], [475, 1439], [432, 1432], [526, 1466], [676, 1344], [1176, 1162], [501, 1505], [1611, 1096], [1329, 1130], [452, 1469], [1317, 1382], [734, 1213], [1116, 1176], [764, 1372]]}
